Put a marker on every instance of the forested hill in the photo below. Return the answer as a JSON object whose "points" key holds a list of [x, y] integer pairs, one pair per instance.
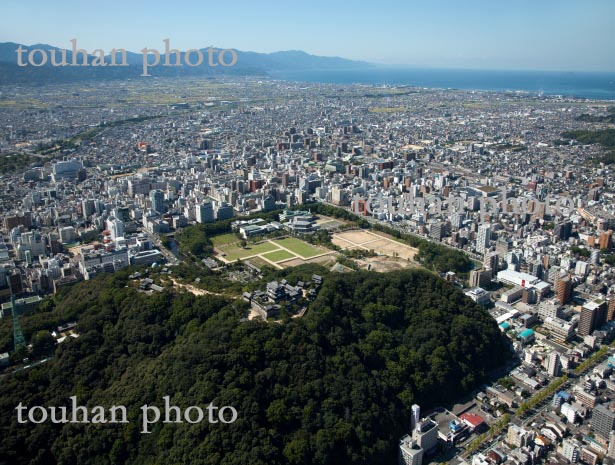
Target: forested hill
{"points": [[333, 387]]}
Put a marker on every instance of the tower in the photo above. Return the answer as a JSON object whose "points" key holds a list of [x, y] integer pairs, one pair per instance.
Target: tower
{"points": [[483, 238], [18, 337], [416, 417]]}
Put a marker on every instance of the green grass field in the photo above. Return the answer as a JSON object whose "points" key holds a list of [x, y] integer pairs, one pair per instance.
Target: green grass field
{"points": [[233, 253], [258, 261], [297, 246], [224, 239], [271, 250], [278, 255]]}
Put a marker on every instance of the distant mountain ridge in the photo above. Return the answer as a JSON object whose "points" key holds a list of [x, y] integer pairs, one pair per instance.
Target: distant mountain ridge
{"points": [[248, 64]]}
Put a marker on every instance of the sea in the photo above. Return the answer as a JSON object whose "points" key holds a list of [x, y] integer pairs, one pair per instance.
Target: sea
{"points": [[588, 85]]}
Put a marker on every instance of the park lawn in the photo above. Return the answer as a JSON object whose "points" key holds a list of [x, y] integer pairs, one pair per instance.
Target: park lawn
{"points": [[298, 247], [224, 239], [234, 253], [278, 255], [258, 262]]}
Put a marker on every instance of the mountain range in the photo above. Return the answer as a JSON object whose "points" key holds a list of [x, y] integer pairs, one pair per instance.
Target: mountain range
{"points": [[248, 64]]}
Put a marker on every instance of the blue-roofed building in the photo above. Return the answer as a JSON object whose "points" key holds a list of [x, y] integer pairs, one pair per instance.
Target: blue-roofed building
{"points": [[564, 395], [527, 336], [505, 326]]}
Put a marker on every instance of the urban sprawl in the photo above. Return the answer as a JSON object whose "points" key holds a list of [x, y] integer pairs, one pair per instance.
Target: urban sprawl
{"points": [[105, 175]]}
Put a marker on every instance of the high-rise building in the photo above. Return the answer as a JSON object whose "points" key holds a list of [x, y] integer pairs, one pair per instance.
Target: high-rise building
{"points": [[483, 238], [416, 416], [480, 277], [563, 289], [529, 296], [426, 434], [224, 211], [491, 262], [338, 196], [88, 207], [410, 453], [610, 314], [205, 213], [593, 316], [157, 198], [67, 234], [116, 227], [581, 268], [606, 240], [563, 230], [554, 365], [603, 420], [436, 231]]}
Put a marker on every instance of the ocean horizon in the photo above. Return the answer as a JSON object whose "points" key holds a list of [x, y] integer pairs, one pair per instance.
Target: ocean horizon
{"points": [[589, 85]]}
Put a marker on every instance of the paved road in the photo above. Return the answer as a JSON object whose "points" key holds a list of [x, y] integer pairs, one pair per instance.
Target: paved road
{"points": [[540, 408], [171, 259]]}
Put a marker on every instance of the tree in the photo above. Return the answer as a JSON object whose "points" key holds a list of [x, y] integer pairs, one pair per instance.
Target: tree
{"points": [[43, 344]]}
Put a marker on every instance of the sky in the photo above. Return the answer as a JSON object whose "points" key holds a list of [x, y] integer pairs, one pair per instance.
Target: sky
{"points": [[571, 35]]}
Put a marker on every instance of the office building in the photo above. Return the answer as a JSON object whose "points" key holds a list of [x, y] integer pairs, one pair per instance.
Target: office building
{"points": [[517, 436], [554, 365], [224, 211], [571, 450], [483, 238], [593, 316], [606, 240], [492, 262], [410, 453], [67, 234], [549, 309], [603, 420], [611, 307], [426, 434], [205, 213], [157, 198], [115, 228], [563, 289]]}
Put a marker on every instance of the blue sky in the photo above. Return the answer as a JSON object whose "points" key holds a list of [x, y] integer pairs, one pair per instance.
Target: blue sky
{"points": [[577, 35]]}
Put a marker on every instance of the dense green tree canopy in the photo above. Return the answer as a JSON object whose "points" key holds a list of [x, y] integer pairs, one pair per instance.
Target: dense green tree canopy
{"points": [[333, 387]]}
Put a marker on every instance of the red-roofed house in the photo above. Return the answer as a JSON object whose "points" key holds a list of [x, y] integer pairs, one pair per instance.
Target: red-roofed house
{"points": [[474, 422]]}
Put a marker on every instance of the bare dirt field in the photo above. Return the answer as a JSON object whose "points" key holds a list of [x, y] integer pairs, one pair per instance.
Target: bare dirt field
{"points": [[379, 243], [384, 264]]}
